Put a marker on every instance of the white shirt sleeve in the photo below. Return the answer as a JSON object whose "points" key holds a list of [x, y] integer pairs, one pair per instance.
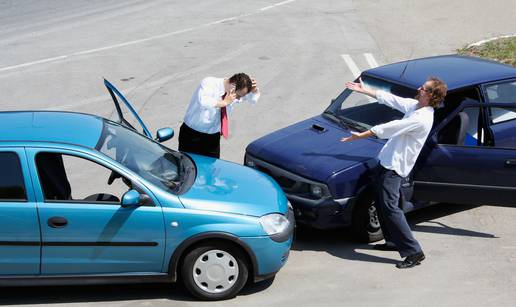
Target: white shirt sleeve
{"points": [[206, 94], [396, 127], [399, 103]]}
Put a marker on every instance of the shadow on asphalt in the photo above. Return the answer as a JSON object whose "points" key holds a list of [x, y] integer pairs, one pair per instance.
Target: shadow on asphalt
{"points": [[340, 243], [108, 293]]}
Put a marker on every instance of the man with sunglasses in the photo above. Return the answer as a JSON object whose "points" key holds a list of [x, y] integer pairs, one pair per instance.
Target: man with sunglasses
{"points": [[406, 138]]}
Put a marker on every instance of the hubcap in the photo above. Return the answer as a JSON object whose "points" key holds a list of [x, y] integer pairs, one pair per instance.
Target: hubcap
{"points": [[374, 223], [215, 271]]}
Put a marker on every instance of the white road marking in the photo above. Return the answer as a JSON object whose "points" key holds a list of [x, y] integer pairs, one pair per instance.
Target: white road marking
{"points": [[275, 5], [139, 41], [370, 60], [488, 40], [351, 65]]}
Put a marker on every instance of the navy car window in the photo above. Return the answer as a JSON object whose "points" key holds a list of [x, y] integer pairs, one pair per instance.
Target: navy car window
{"points": [[12, 187], [366, 110], [502, 92], [502, 124]]}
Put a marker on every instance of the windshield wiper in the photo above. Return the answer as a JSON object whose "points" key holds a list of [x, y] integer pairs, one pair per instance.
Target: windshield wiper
{"points": [[353, 124]]}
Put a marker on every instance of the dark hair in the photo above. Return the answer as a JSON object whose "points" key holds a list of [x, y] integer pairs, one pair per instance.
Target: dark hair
{"points": [[241, 81], [437, 91]]}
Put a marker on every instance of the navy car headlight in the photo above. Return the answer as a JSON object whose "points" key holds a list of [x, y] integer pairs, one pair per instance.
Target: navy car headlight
{"points": [[249, 162], [319, 190]]}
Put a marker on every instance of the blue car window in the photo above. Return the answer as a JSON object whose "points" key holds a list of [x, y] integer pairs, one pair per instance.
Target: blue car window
{"points": [[150, 160], [462, 129], [12, 187], [503, 125], [502, 92], [71, 178]]}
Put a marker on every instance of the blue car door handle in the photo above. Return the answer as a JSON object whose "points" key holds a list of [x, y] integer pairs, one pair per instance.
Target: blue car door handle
{"points": [[57, 222], [511, 162]]}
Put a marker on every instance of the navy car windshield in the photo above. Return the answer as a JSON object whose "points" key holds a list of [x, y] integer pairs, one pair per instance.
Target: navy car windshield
{"points": [[360, 112], [165, 168]]}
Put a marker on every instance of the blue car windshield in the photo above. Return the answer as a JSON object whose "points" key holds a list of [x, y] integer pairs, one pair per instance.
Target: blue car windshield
{"points": [[165, 168], [361, 112]]}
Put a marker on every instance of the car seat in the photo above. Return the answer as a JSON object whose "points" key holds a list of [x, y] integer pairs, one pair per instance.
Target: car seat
{"points": [[454, 132]]}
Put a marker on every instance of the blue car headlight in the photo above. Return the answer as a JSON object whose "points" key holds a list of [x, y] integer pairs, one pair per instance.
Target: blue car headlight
{"points": [[274, 223], [278, 226]]}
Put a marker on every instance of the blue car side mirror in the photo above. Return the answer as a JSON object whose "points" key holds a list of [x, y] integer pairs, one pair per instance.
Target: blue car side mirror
{"points": [[164, 134], [131, 199]]}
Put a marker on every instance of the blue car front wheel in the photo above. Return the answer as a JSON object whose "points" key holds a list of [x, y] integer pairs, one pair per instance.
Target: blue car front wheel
{"points": [[214, 271]]}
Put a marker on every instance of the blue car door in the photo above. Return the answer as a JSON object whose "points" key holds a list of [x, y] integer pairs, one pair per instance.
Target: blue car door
{"points": [[481, 167], [85, 230], [19, 226]]}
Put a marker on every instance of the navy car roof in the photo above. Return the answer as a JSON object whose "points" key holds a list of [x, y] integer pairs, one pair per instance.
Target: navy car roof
{"points": [[457, 71]]}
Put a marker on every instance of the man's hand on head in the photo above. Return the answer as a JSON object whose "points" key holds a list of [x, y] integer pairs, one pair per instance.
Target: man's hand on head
{"points": [[254, 88]]}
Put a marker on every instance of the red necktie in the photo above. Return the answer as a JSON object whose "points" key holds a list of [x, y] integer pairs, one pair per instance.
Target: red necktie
{"points": [[224, 125]]}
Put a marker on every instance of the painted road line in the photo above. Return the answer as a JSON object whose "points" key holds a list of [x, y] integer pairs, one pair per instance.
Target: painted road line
{"points": [[370, 60], [139, 41], [351, 65]]}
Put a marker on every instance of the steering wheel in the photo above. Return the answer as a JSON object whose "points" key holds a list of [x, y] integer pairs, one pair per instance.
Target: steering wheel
{"points": [[114, 175]]}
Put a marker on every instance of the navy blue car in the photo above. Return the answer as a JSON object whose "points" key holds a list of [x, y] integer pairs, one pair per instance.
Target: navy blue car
{"points": [[469, 156]]}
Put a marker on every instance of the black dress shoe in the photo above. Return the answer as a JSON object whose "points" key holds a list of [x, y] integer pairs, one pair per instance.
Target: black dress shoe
{"points": [[411, 261], [385, 247]]}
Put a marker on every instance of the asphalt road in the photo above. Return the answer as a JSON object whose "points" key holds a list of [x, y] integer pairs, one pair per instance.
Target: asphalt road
{"points": [[54, 54]]}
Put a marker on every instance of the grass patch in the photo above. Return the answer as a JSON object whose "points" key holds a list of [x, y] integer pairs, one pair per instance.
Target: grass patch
{"points": [[501, 50]]}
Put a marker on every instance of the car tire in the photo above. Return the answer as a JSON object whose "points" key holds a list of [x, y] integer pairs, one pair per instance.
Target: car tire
{"points": [[214, 271], [365, 224]]}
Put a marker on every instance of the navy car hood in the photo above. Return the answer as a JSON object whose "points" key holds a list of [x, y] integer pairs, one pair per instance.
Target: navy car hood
{"points": [[232, 188], [312, 148]]}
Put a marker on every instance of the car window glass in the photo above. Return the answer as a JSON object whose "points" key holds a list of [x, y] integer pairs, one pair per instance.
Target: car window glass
{"points": [[366, 110], [503, 125], [462, 129], [150, 160], [12, 187], [500, 115], [502, 92], [70, 178]]}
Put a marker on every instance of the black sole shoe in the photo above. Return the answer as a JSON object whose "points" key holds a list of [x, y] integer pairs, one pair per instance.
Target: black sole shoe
{"points": [[411, 261]]}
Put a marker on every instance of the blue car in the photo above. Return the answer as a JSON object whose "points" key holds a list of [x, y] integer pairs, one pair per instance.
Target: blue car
{"points": [[469, 156], [86, 200]]}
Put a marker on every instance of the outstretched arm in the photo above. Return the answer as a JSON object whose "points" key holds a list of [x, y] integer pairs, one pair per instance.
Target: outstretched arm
{"points": [[359, 87], [357, 135]]}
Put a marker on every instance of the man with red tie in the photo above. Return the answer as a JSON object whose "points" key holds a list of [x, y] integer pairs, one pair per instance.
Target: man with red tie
{"points": [[207, 116]]}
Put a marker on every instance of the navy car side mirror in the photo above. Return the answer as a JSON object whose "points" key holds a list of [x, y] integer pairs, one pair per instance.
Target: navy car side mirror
{"points": [[164, 134], [131, 199]]}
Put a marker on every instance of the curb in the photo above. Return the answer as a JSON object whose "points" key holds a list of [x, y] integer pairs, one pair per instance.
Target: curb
{"points": [[488, 40]]}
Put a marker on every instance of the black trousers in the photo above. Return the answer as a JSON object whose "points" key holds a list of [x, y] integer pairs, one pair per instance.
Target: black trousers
{"points": [[392, 219], [196, 142]]}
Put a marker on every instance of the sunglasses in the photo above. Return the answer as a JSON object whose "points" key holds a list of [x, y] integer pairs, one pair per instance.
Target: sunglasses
{"points": [[422, 88]]}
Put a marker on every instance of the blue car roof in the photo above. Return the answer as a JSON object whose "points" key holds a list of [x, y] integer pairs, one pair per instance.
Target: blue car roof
{"points": [[59, 127], [457, 71]]}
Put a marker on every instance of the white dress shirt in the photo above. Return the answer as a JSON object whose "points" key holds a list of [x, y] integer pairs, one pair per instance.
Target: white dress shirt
{"points": [[406, 136], [203, 115]]}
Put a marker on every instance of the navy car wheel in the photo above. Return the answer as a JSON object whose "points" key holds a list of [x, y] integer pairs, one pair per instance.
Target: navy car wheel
{"points": [[365, 223], [214, 271]]}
